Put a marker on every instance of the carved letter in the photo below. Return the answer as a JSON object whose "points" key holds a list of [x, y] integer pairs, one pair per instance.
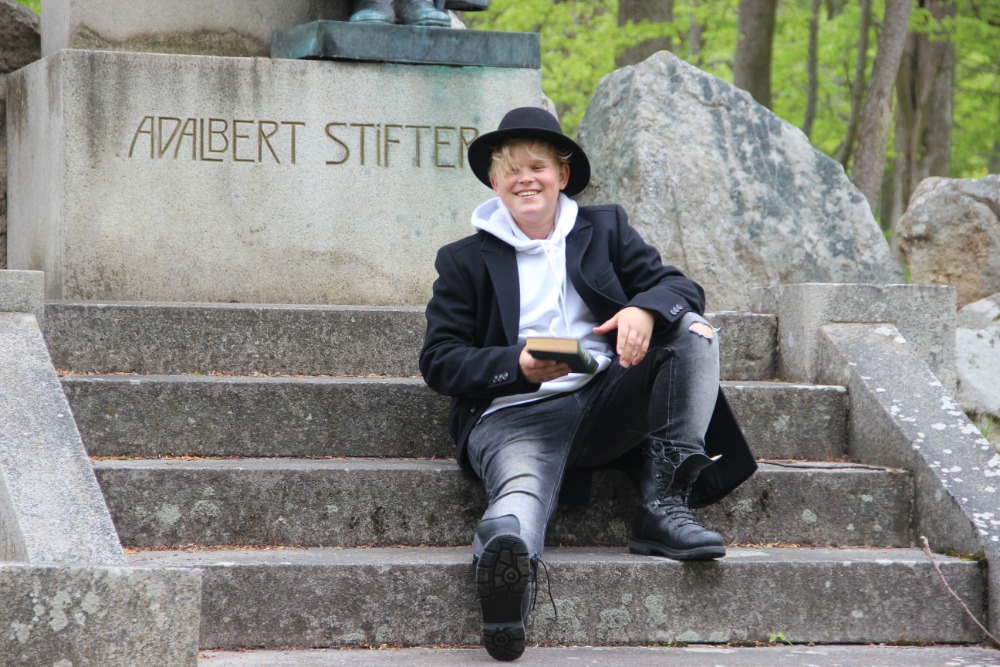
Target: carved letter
{"points": [[265, 138], [438, 142], [236, 139], [192, 133], [389, 141], [416, 133], [159, 128], [465, 144], [362, 127], [139, 130], [347, 151], [212, 133], [293, 124]]}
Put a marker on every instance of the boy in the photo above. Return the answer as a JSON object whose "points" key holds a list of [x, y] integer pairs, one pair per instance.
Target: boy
{"points": [[539, 265]]}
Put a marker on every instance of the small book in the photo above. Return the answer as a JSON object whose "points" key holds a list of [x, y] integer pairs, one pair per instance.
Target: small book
{"points": [[567, 350]]}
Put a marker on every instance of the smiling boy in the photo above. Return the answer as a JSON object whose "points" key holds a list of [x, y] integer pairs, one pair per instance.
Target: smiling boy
{"points": [[540, 265]]}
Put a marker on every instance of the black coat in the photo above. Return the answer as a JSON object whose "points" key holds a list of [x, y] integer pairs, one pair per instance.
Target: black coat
{"points": [[471, 348]]}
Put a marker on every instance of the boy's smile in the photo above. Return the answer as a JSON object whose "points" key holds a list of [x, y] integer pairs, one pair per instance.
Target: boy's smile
{"points": [[531, 191]]}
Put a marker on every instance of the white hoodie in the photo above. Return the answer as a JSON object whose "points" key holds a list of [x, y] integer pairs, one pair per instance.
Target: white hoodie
{"points": [[550, 305]]}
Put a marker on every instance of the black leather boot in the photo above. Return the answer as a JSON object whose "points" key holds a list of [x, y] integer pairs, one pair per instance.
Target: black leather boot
{"points": [[505, 579], [663, 524]]}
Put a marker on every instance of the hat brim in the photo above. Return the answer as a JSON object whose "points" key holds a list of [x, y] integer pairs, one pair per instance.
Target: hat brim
{"points": [[481, 154]]}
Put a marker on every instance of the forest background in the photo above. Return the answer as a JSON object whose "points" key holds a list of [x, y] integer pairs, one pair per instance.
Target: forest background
{"points": [[894, 90]]}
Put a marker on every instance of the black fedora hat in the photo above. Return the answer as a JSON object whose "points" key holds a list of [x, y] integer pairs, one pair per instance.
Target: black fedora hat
{"points": [[530, 123]]}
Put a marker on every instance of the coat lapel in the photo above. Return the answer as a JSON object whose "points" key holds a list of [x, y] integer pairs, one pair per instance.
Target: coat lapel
{"points": [[576, 242], [501, 263]]}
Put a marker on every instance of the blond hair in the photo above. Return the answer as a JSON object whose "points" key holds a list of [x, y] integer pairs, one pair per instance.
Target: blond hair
{"points": [[502, 162]]}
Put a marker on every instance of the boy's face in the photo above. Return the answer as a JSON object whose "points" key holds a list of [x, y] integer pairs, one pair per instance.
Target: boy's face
{"points": [[531, 191]]}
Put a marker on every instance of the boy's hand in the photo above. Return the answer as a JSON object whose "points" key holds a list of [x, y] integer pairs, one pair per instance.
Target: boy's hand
{"points": [[537, 371], [635, 329]]}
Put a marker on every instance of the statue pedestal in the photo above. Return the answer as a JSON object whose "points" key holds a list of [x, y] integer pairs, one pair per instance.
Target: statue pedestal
{"points": [[215, 28], [373, 42], [137, 176]]}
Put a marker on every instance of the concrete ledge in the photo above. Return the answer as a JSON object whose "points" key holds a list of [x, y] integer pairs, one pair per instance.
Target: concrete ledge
{"points": [[168, 338], [171, 338], [825, 655], [749, 349], [99, 616], [23, 292], [902, 416], [924, 314], [51, 508], [336, 597], [353, 502], [154, 416]]}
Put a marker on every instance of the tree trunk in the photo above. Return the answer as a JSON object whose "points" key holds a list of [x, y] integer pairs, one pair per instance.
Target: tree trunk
{"points": [[923, 112], [876, 114], [846, 149], [752, 66], [654, 11], [812, 67], [696, 40]]}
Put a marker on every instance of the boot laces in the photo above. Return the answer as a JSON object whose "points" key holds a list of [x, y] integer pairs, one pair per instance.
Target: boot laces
{"points": [[535, 562], [677, 511]]}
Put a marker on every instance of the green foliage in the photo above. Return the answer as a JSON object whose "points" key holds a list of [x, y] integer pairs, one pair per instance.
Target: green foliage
{"points": [[33, 5], [581, 39], [778, 638], [975, 31]]}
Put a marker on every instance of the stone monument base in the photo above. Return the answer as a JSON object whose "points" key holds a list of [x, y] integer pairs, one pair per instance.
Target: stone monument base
{"points": [[376, 42], [148, 177]]}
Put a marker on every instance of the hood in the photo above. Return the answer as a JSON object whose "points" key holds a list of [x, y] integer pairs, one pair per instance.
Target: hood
{"points": [[493, 217]]}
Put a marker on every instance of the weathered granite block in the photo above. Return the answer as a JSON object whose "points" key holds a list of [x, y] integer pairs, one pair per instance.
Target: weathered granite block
{"points": [[924, 314], [23, 292], [901, 416], [725, 189], [181, 178], [98, 616], [51, 508], [218, 28]]}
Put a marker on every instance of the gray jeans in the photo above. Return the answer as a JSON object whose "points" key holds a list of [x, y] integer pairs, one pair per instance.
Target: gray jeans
{"points": [[522, 452]]}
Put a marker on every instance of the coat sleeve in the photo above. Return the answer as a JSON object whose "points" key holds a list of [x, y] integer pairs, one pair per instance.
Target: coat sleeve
{"points": [[648, 282], [457, 359]]}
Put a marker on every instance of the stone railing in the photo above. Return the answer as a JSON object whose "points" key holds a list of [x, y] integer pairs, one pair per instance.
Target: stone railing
{"points": [[69, 595]]}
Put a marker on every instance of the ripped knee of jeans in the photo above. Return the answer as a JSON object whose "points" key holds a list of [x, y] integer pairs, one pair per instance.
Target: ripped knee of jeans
{"points": [[702, 329]]}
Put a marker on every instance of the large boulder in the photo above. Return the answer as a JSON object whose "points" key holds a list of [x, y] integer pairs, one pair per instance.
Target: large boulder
{"points": [[726, 190], [977, 357], [20, 44], [950, 235]]}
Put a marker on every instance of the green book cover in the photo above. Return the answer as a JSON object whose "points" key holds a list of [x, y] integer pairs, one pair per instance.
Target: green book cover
{"points": [[567, 350]]}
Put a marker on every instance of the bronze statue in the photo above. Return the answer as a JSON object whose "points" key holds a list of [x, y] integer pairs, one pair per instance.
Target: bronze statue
{"points": [[413, 12]]}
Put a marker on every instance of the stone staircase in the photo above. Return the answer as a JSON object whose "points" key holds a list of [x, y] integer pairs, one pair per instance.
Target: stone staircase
{"points": [[293, 454]]}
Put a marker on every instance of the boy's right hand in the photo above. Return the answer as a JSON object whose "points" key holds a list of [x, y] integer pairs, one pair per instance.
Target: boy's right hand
{"points": [[537, 371]]}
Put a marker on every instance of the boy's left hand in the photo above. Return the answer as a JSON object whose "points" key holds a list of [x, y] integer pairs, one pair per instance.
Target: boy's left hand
{"points": [[635, 329]]}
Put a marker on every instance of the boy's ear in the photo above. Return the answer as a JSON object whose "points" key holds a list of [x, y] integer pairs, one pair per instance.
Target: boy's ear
{"points": [[564, 178]]}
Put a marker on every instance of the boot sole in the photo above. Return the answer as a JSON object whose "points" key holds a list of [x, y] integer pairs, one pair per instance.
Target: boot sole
{"points": [[502, 576], [644, 548]]}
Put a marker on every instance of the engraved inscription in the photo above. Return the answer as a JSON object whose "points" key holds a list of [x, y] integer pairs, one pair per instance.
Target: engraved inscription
{"points": [[216, 139], [275, 141]]}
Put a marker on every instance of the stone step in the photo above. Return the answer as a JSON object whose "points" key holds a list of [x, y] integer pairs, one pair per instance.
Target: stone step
{"points": [[153, 416], [695, 655], [177, 338], [388, 502], [604, 596]]}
